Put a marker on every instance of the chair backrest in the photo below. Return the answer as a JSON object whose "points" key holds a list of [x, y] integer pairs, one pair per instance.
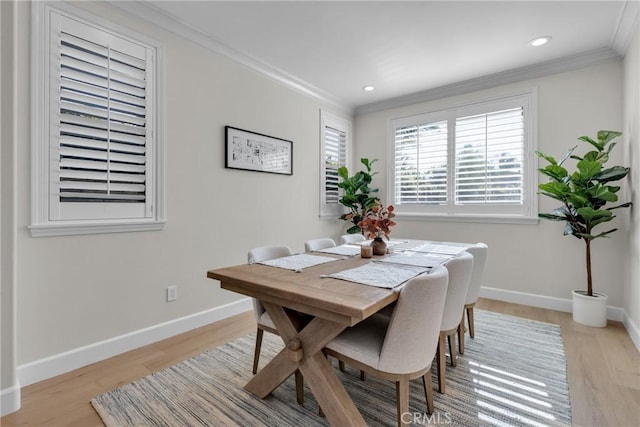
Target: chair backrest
{"points": [[460, 269], [412, 335], [318, 244], [264, 253], [351, 238], [479, 253]]}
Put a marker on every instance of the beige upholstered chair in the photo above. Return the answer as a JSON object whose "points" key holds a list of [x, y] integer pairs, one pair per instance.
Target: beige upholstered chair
{"points": [[351, 238], [400, 348], [459, 269], [318, 244], [263, 319], [479, 253]]}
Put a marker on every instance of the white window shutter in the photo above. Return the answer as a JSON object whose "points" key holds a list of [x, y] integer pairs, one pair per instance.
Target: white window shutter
{"points": [[98, 166], [335, 155]]}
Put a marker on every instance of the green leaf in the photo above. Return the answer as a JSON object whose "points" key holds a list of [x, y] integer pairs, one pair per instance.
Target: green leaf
{"points": [[599, 146], [548, 158], [612, 174], [343, 172], [605, 136], [552, 217], [588, 169], [624, 205], [557, 190], [555, 172], [590, 214]]}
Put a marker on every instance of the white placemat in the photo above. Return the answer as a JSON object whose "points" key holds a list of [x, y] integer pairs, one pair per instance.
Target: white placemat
{"points": [[380, 275], [298, 262], [347, 250], [440, 248], [420, 259]]}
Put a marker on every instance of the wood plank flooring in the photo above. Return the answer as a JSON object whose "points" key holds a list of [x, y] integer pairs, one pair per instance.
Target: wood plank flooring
{"points": [[603, 369]]}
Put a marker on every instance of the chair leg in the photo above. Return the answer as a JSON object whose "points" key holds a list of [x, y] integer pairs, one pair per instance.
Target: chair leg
{"points": [[299, 387], [470, 319], [362, 375], [256, 355], [452, 349], [428, 390], [341, 365], [441, 362], [402, 396], [461, 336]]}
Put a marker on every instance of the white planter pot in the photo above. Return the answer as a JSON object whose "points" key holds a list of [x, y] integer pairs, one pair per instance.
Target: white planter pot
{"points": [[590, 311]]}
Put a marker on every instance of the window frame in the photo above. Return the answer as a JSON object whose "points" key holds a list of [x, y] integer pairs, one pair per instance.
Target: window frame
{"points": [[332, 210], [526, 214], [45, 206]]}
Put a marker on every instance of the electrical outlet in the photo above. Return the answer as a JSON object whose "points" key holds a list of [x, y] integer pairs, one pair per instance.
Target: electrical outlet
{"points": [[172, 293]]}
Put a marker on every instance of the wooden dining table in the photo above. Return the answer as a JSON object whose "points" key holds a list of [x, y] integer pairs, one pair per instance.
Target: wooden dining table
{"points": [[309, 310]]}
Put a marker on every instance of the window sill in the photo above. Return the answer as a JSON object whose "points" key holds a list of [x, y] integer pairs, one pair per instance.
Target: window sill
{"points": [[72, 229], [489, 219]]}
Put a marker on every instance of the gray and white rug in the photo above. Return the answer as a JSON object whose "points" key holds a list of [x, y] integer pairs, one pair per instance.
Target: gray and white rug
{"points": [[512, 374]]}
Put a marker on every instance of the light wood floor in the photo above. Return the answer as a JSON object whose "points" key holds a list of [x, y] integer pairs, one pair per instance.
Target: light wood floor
{"points": [[603, 369]]}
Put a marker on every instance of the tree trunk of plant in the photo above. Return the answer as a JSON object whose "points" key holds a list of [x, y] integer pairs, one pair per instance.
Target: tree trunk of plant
{"points": [[589, 280]]}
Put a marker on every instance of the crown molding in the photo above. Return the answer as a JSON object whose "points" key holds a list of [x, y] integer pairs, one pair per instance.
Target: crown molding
{"points": [[493, 80], [627, 25], [155, 16]]}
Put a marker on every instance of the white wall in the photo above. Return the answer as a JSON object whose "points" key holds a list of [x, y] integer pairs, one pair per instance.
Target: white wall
{"points": [[632, 157], [531, 259], [78, 290]]}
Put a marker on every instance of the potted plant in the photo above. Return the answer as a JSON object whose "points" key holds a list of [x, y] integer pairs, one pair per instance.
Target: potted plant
{"points": [[357, 196], [377, 224], [586, 195]]}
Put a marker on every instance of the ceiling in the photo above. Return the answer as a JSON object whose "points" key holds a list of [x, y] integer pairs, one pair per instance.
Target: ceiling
{"points": [[332, 49]]}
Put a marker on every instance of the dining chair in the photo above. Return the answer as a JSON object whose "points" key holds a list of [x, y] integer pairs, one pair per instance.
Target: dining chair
{"points": [[399, 348], [479, 253], [351, 238], [263, 319], [460, 269], [318, 244]]}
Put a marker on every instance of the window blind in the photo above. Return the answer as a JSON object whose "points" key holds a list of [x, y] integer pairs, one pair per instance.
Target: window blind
{"points": [[489, 151], [421, 163], [102, 104], [335, 153]]}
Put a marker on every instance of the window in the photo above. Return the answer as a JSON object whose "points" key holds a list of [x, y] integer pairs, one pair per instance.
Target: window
{"points": [[97, 151], [475, 161], [335, 137]]}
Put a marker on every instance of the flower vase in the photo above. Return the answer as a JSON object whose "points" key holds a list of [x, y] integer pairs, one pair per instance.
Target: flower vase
{"points": [[379, 246]]}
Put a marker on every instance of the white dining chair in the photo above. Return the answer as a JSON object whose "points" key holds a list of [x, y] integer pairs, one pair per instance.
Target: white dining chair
{"points": [[479, 253], [318, 244], [459, 269], [351, 238], [399, 348], [263, 319]]}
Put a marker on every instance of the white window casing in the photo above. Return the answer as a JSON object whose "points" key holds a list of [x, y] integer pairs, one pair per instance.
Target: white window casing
{"points": [[97, 142], [335, 143], [472, 162]]}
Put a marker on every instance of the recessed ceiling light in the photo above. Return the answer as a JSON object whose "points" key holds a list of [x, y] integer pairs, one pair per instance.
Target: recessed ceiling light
{"points": [[540, 41], [368, 88]]}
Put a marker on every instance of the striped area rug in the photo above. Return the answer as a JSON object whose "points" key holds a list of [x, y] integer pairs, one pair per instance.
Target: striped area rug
{"points": [[512, 374]]}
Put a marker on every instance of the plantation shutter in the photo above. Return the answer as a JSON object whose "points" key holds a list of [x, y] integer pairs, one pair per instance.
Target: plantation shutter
{"points": [[421, 163], [489, 155], [335, 152], [102, 138]]}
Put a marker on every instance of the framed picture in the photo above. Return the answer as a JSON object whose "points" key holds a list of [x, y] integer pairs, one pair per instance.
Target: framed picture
{"points": [[257, 152]]}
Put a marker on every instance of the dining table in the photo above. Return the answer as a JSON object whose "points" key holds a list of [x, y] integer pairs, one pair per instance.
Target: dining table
{"points": [[313, 297]]}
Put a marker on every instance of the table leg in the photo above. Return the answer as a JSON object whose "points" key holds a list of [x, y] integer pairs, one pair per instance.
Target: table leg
{"points": [[316, 369]]}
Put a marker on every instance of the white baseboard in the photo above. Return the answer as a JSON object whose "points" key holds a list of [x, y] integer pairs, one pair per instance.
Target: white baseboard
{"points": [[632, 329], [560, 304], [10, 400], [52, 366]]}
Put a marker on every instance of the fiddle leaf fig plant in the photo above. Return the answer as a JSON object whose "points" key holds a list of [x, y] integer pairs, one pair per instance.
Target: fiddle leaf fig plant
{"points": [[585, 193], [357, 195]]}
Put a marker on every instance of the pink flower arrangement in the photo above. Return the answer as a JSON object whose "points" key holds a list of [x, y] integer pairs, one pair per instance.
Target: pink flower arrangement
{"points": [[377, 222]]}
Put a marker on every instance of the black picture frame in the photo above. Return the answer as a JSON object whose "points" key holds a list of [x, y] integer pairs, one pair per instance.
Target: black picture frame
{"points": [[257, 152]]}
